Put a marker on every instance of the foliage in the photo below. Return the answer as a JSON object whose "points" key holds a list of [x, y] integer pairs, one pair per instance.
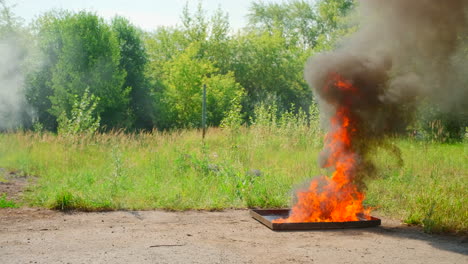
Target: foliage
{"points": [[265, 116], [295, 20], [303, 23], [38, 127], [185, 76], [434, 124], [81, 51], [9, 22], [233, 118], [333, 22], [91, 76], [133, 61], [269, 72], [296, 123], [153, 80], [82, 119], [211, 34], [266, 65]]}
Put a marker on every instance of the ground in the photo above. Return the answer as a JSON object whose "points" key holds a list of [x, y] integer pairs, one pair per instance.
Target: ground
{"points": [[232, 236], [30, 235], [13, 184]]}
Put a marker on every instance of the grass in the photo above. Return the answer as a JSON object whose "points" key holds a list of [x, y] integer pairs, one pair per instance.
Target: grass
{"points": [[430, 189], [254, 167], [6, 203]]}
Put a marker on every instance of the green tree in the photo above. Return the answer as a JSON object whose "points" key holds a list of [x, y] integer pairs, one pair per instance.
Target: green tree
{"points": [[80, 51], [211, 34], [133, 60], [9, 22], [270, 58], [162, 46], [184, 77], [296, 20], [209, 38], [330, 13], [270, 70], [333, 22], [303, 23]]}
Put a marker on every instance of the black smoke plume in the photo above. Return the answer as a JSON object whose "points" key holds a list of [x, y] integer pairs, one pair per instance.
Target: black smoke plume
{"points": [[404, 52]]}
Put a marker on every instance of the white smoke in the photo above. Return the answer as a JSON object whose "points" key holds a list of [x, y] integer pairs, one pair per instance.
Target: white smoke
{"points": [[13, 107]]}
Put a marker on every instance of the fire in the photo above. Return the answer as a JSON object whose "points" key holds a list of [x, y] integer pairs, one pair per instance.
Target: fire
{"points": [[335, 198]]}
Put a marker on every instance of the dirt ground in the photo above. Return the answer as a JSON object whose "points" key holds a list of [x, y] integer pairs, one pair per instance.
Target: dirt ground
{"points": [[43, 236], [12, 184]]}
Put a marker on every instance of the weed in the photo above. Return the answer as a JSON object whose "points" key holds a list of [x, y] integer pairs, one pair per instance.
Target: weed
{"points": [[65, 201], [5, 203]]}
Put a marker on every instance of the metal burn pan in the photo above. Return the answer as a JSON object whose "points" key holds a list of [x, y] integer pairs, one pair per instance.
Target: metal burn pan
{"points": [[267, 216]]}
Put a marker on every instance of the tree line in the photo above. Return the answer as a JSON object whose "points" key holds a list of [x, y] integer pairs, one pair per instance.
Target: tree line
{"points": [[80, 69], [146, 80]]}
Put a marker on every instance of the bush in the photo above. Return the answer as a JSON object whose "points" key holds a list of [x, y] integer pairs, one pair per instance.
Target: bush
{"points": [[83, 118], [436, 125]]}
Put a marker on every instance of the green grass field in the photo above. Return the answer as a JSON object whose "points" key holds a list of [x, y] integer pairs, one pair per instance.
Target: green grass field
{"points": [[254, 167]]}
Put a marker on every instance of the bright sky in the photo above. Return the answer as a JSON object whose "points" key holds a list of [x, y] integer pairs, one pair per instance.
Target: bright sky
{"points": [[147, 14]]}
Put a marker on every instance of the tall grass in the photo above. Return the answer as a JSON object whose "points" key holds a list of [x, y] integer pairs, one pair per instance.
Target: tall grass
{"points": [[246, 167], [430, 189], [161, 170]]}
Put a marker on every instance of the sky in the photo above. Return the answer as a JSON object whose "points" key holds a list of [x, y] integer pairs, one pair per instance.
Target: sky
{"points": [[146, 14]]}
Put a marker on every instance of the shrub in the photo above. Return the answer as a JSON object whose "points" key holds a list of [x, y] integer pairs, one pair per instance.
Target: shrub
{"points": [[83, 118]]}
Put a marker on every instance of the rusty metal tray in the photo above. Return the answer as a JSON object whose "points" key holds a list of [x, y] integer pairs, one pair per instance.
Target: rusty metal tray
{"points": [[267, 216]]}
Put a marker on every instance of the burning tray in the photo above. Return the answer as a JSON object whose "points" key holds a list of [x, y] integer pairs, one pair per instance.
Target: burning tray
{"points": [[267, 216]]}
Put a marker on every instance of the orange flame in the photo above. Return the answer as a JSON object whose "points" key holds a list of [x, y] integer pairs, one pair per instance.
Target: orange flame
{"points": [[335, 199]]}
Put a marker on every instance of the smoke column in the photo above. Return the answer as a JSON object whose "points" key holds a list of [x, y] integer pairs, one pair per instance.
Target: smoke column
{"points": [[13, 107], [403, 52]]}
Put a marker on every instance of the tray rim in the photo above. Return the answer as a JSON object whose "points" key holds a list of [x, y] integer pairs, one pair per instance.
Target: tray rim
{"points": [[258, 214]]}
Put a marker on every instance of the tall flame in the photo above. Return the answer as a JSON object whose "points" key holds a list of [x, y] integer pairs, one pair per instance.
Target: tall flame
{"points": [[335, 199]]}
